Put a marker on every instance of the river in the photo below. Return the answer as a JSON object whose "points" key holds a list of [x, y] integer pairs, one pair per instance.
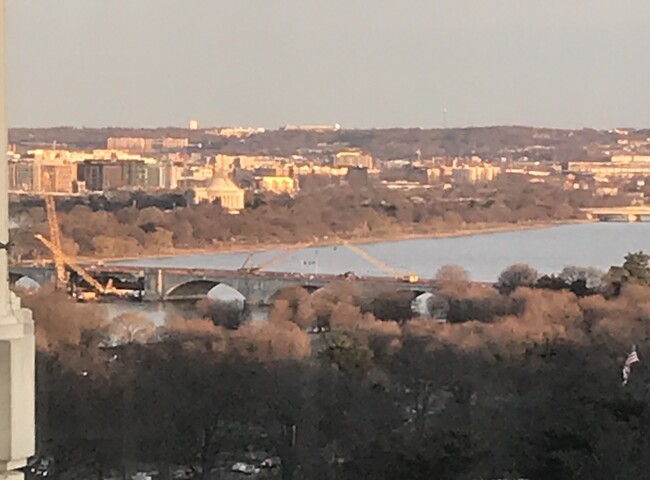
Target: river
{"points": [[483, 255]]}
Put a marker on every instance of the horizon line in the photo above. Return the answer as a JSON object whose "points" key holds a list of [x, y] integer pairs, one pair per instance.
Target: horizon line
{"points": [[341, 127]]}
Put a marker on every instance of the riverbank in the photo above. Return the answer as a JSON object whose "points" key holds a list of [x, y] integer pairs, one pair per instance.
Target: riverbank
{"points": [[469, 230]]}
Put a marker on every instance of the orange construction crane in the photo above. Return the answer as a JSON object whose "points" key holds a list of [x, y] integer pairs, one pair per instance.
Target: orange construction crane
{"points": [[55, 239], [62, 258]]}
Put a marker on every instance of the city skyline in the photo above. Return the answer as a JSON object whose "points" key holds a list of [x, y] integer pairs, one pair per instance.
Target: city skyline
{"points": [[366, 64]]}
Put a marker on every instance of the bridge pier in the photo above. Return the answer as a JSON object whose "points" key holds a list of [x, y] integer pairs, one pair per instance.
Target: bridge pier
{"points": [[154, 285]]}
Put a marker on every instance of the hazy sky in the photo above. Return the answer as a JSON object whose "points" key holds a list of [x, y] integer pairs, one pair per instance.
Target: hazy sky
{"points": [[360, 63]]}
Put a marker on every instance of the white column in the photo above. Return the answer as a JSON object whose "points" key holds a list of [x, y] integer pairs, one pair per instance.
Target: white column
{"points": [[4, 167], [16, 328]]}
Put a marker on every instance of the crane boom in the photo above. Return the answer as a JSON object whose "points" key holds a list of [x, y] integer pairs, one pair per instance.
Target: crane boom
{"points": [[59, 256], [411, 278], [55, 237], [377, 263]]}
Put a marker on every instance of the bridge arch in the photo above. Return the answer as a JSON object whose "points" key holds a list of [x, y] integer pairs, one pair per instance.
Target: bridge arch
{"points": [[204, 288]]}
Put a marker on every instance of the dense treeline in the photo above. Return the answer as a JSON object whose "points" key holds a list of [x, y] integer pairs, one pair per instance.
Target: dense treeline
{"points": [[492, 142], [313, 215], [533, 391]]}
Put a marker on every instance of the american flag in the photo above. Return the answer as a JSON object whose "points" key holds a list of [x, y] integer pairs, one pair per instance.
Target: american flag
{"points": [[627, 368]]}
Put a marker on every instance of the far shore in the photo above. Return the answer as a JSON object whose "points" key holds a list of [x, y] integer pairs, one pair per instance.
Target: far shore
{"points": [[476, 229]]}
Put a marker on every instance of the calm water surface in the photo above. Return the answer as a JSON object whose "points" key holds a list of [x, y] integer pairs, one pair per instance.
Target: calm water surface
{"points": [[484, 256]]}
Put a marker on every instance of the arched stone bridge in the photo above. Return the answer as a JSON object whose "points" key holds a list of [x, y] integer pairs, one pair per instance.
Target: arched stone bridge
{"points": [[258, 288], [175, 284]]}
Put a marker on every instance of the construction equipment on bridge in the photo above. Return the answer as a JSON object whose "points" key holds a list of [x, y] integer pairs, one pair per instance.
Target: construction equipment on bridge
{"points": [[96, 288], [60, 259], [55, 238], [410, 278]]}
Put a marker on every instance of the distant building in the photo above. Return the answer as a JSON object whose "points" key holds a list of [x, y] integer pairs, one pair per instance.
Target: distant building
{"points": [[134, 174], [229, 163], [100, 176], [237, 132], [434, 174], [170, 173], [56, 178], [475, 173], [611, 169], [104, 175], [223, 189], [21, 176], [194, 125], [119, 145], [325, 170], [631, 157], [153, 177], [130, 144], [312, 128], [198, 173], [278, 184], [112, 155], [29, 175], [353, 158], [169, 143]]}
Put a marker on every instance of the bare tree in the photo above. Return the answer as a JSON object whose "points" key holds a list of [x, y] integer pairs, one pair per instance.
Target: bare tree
{"points": [[452, 274], [591, 276], [453, 279], [131, 327], [515, 276]]}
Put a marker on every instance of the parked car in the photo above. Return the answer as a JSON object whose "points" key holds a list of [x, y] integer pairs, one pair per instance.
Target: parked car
{"points": [[246, 468]]}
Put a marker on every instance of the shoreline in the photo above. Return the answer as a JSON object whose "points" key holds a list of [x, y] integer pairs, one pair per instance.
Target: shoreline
{"points": [[478, 229]]}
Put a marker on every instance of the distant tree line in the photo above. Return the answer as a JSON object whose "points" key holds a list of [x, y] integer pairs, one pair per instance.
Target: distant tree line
{"points": [[142, 224], [491, 142]]}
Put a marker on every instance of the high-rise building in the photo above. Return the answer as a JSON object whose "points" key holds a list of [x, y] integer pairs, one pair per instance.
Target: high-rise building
{"points": [[100, 176]]}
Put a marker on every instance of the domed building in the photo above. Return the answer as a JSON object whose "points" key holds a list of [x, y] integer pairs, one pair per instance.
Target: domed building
{"points": [[222, 188]]}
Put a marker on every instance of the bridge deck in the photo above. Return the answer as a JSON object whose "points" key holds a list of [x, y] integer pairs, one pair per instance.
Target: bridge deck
{"points": [[202, 272]]}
